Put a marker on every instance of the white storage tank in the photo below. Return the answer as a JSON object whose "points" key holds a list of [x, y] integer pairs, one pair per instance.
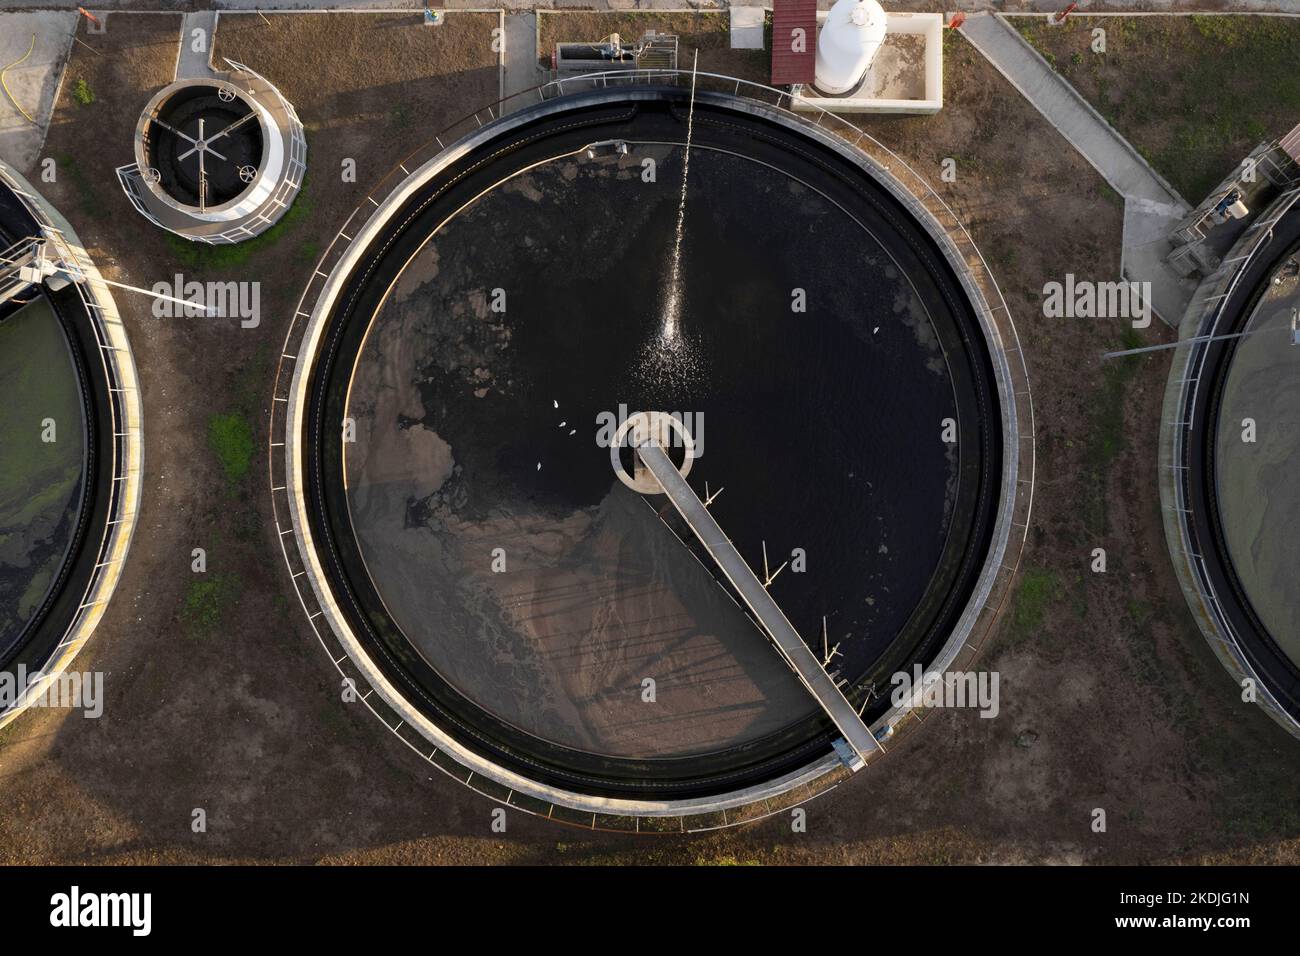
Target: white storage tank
{"points": [[849, 40]]}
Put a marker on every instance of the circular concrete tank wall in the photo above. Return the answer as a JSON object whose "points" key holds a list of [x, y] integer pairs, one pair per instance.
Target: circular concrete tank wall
{"points": [[70, 430], [452, 496], [217, 160]]}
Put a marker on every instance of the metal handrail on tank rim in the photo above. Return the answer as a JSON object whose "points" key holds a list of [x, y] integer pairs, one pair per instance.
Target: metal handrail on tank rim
{"points": [[1019, 394], [276, 205], [1225, 638], [125, 416]]}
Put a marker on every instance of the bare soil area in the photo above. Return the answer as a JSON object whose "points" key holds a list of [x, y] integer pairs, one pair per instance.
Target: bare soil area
{"points": [[1109, 696]]}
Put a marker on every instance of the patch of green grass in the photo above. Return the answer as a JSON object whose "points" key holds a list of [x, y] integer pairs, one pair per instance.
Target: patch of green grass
{"points": [[207, 599], [335, 717], [1039, 587], [1106, 437], [1237, 86], [1221, 30], [1150, 667], [201, 256], [82, 93], [230, 436], [1106, 424]]}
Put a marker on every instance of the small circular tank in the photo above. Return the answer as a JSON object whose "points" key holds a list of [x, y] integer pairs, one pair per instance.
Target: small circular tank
{"points": [[217, 160]]}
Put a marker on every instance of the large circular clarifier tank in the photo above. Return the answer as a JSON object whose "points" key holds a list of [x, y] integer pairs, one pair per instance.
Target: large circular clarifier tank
{"points": [[457, 511], [70, 467], [1235, 435]]}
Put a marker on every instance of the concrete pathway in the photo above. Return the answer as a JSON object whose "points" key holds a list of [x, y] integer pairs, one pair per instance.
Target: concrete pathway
{"points": [[32, 83], [1151, 205], [520, 58], [747, 27], [195, 65]]}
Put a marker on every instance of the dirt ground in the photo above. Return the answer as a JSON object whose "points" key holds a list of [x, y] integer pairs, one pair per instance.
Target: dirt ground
{"points": [[1110, 697], [1193, 94]]}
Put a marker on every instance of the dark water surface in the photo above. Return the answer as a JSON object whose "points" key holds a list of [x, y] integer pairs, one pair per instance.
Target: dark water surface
{"points": [[823, 426], [1257, 493], [40, 481]]}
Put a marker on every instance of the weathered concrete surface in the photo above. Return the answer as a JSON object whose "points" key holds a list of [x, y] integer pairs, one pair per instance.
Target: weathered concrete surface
{"points": [[747, 28], [33, 83], [196, 64], [519, 57]]}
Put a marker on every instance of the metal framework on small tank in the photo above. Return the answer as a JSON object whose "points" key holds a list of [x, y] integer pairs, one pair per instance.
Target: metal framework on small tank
{"points": [[270, 186], [62, 246], [984, 609], [654, 51]]}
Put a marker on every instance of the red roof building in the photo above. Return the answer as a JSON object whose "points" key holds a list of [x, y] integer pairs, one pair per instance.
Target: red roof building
{"points": [[794, 41]]}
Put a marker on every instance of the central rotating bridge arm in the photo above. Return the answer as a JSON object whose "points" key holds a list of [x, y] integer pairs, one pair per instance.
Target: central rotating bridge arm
{"points": [[807, 668]]}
